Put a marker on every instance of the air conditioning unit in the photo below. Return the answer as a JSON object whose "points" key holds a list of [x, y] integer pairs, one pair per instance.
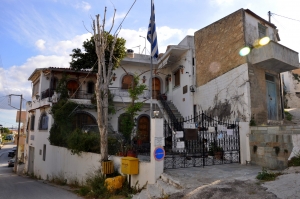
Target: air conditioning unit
{"points": [[192, 88]]}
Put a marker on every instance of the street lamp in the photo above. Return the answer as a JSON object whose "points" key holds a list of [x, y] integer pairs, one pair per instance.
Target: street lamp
{"points": [[247, 49], [145, 44]]}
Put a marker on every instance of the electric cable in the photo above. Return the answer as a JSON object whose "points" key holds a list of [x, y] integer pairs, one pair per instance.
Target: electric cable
{"points": [[285, 17]]}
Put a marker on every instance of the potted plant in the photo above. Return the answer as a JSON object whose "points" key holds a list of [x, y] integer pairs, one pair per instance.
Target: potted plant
{"points": [[216, 151]]}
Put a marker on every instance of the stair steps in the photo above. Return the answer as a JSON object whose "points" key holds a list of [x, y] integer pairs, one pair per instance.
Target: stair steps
{"points": [[163, 187]]}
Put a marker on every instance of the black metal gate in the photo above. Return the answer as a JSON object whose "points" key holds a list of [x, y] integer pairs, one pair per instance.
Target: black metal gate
{"points": [[201, 141]]}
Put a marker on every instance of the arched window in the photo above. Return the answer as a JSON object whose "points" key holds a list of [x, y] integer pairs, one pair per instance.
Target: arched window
{"points": [[90, 87], [82, 119], [43, 122], [127, 81]]}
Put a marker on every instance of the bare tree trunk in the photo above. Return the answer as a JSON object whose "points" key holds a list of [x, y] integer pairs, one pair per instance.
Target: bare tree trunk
{"points": [[103, 79]]}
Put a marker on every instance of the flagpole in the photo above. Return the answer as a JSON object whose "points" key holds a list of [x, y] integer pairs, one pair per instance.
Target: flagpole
{"points": [[151, 68]]}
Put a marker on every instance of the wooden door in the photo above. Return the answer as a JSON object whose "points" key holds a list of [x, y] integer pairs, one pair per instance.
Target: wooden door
{"points": [[155, 88], [144, 129], [271, 100], [72, 87], [31, 160]]}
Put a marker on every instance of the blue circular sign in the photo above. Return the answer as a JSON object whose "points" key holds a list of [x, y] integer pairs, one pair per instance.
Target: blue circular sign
{"points": [[159, 153]]}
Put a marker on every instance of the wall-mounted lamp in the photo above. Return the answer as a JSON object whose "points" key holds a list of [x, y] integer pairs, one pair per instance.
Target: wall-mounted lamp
{"points": [[114, 77], [144, 79], [155, 114], [181, 67], [247, 49]]}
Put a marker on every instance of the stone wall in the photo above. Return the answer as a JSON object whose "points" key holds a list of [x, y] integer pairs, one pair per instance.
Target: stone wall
{"points": [[217, 47], [265, 142]]}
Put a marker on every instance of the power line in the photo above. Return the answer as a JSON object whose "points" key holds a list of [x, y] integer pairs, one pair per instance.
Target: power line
{"points": [[285, 17]]}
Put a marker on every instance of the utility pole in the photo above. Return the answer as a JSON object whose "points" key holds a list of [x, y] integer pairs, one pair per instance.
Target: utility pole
{"points": [[17, 151]]}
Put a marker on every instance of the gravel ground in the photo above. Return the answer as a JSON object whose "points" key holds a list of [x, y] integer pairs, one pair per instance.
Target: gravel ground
{"points": [[286, 186]]}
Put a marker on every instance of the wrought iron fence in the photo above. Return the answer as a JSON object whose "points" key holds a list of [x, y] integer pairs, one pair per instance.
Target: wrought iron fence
{"points": [[203, 141]]}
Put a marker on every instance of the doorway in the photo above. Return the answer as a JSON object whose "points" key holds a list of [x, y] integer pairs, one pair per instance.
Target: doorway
{"points": [[144, 129], [155, 88], [271, 97], [31, 160]]}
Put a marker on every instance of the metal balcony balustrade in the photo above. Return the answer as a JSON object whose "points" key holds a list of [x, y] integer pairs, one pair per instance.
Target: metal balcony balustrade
{"points": [[119, 92], [78, 94]]}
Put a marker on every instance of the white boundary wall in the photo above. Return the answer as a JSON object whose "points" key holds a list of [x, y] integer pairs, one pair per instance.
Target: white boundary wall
{"points": [[61, 163]]}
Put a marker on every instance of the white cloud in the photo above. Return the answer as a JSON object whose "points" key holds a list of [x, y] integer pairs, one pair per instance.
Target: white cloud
{"points": [[222, 2], [165, 36], [83, 5], [40, 44], [65, 47]]}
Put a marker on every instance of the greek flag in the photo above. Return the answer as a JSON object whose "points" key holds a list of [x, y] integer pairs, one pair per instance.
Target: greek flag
{"points": [[151, 36]]}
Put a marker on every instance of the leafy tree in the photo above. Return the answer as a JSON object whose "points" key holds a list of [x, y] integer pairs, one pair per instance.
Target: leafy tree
{"points": [[88, 58], [134, 107]]}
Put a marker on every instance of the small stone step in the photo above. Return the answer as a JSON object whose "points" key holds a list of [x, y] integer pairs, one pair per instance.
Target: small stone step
{"points": [[154, 192], [168, 179], [142, 195], [165, 188]]}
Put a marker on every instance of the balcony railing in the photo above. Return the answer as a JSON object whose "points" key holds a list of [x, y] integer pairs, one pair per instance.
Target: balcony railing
{"points": [[78, 94], [47, 93], [118, 92]]}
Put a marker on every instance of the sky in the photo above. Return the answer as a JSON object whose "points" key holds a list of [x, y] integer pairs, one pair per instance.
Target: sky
{"points": [[42, 33]]}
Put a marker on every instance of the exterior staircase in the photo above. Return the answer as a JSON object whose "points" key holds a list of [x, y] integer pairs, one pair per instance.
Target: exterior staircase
{"points": [[175, 111], [164, 187]]}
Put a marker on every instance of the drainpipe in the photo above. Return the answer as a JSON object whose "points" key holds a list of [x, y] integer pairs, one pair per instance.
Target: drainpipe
{"points": [[281, 97]]}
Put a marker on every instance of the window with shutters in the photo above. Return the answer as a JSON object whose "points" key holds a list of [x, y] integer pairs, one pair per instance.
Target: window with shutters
{"points": [[35, 88], [82, 119], [90, 87], [44, 152], [44, 122], [54, 83], [167, 84], [127, 81], [32, 118], [177, 78], [262, 31]]}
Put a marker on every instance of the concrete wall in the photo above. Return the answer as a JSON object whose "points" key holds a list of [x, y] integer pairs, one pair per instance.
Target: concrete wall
{"points": [[264, 140], [217, 47], [227, 96], [292, 88], [251, 29]]}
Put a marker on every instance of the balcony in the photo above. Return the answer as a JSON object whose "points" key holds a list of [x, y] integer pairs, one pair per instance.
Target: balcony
{"points": [[274, 57], [79, 94], [118, 92]]}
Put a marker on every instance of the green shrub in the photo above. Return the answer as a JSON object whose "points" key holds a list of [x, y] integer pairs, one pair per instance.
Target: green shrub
{"points": [[288, 116], [78, 142], [266, 175], [295, 161]]}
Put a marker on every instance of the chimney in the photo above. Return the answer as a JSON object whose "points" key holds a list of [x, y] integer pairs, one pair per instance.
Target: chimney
{"points": [[130, 53]]}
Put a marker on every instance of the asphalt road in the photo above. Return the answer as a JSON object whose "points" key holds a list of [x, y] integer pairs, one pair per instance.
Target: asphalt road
{"points": [[13, 186]]}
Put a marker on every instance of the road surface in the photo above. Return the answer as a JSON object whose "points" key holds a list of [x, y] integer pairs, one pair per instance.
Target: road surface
{"points": [[13, 186]]}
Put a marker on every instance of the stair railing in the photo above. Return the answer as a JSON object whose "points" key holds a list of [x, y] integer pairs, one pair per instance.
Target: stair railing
{"points": [[176, 124]]}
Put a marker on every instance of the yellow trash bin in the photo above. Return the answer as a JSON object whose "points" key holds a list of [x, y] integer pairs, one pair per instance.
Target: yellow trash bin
{"points": [[130, 165]]}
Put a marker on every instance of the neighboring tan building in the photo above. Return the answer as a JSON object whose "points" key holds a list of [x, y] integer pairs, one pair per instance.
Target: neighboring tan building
{"points": [[236, 87]]}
